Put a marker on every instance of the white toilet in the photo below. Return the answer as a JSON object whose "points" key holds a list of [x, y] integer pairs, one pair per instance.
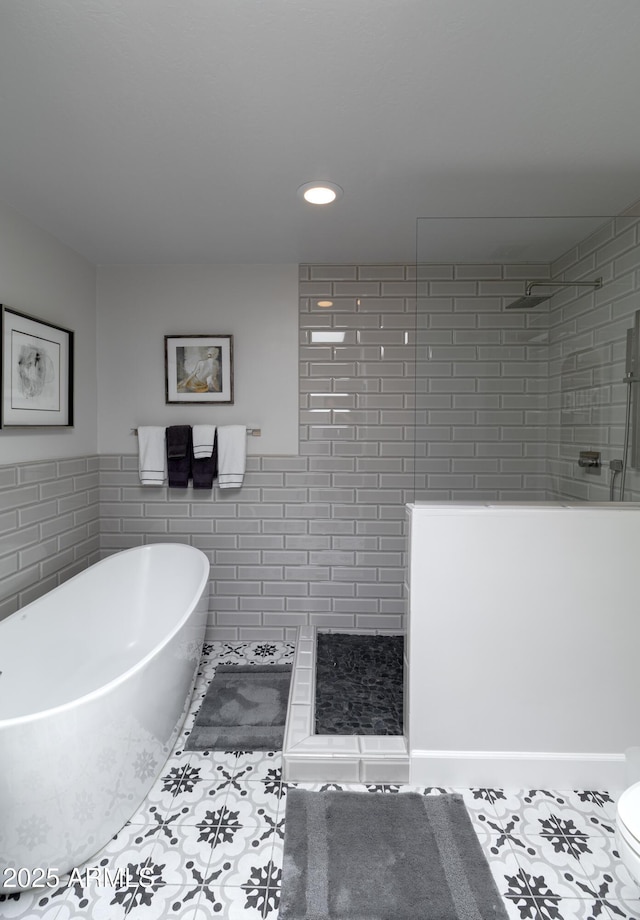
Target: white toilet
{"points": [[628, 830]]}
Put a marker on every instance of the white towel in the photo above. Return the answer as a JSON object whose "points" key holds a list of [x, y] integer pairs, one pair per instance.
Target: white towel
{"points": [[203, 436], [152, 455], [232, 455]]}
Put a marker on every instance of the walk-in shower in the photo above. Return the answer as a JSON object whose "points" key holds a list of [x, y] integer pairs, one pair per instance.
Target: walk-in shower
{"points": [[521, 404], [519, 413]]}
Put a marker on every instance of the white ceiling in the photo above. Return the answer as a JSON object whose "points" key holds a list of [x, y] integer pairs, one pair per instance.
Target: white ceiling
{"points": [[179, 130]]}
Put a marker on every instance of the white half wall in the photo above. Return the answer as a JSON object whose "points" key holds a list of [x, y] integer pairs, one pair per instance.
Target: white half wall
{"points": [[42, 277], [523, 643], [139, 305]]}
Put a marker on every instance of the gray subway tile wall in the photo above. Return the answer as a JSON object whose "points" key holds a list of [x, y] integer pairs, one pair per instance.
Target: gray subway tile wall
{"points": [[319, 539], [415, 383], [49, 526], [587, 351], [316, 539], [479, 403]]}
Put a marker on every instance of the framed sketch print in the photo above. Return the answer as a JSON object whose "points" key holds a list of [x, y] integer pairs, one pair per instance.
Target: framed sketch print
{"points": [[198, 368], [36, 372]]}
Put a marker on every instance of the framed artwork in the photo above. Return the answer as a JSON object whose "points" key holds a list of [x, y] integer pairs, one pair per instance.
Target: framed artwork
{"points": [[36, 372], [198, 368]]}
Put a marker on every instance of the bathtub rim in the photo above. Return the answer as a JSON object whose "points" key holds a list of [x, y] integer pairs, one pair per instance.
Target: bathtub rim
{"points": [[139, 665]]}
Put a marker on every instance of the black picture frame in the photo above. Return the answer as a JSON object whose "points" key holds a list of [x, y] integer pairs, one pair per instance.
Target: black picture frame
{"points": [[36, 372]]}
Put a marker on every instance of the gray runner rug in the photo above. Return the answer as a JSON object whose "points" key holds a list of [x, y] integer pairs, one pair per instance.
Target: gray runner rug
{"points": [[383, 856], [244, 709]]}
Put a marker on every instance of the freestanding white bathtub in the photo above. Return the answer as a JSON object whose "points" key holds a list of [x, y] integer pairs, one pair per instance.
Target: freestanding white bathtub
{"points": [[95, 682]]}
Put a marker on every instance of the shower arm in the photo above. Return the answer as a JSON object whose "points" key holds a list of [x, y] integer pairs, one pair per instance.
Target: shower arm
{"points": [[531, 284]]}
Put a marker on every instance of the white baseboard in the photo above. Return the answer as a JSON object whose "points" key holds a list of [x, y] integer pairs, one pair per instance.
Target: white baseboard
{"points": [[518, 770]]}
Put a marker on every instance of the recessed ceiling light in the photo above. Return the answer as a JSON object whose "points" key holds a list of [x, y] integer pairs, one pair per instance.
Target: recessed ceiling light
{"points": [[320, 192], [324, 303]]}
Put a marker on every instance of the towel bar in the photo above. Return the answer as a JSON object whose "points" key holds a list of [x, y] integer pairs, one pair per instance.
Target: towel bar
{"points": [[254, 432]]}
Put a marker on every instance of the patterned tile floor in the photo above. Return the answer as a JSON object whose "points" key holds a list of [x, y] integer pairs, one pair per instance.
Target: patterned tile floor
{"points": [[208, 841]]}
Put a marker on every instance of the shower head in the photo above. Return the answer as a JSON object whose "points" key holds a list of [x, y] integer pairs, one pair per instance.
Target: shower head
{"points": [[527, 302], [532, 300]]}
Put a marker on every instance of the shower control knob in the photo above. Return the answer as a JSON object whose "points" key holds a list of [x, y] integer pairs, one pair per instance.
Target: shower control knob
{"points": [[589, 459]]}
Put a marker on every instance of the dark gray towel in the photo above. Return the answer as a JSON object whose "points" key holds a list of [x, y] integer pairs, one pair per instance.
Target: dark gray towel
{"points": [[179, 454], [205, 469]]}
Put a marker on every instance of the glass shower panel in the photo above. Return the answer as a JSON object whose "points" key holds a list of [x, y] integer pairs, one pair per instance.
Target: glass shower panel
{"points": [[508, 397]]}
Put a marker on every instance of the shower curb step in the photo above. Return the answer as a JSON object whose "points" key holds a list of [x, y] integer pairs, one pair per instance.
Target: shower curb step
{"points": [[332, 758]]}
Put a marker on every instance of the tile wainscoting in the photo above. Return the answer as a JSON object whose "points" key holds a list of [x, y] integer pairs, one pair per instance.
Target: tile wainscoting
{"points": [[285, 549], [49, 526]]}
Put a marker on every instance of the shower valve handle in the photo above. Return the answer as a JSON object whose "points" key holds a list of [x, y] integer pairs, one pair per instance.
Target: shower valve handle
{"points": [[589, 459]]}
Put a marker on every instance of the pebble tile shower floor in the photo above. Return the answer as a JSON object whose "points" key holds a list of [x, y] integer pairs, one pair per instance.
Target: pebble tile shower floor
{"points": [[359, 684], [210, 836]]}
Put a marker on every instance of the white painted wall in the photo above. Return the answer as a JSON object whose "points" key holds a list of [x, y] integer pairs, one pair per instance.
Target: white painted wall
{"points": [[42, 277], [523, 641], [139, 305]]}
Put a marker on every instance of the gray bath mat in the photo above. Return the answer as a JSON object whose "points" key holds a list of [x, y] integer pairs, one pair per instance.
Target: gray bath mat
{"points": [[383, 856], [244, 709]]}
